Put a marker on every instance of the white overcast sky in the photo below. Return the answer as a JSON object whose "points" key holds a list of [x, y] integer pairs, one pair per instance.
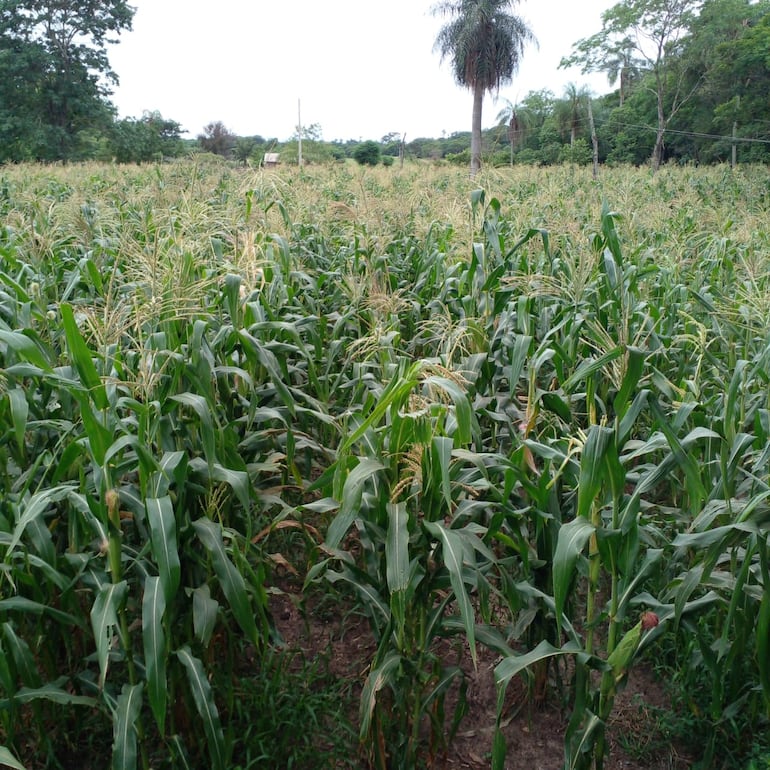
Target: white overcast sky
{"points": [[359, 68]]}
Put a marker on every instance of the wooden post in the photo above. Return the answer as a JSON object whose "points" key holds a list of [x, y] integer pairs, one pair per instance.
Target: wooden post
{"points": [[734, 155], [299, 135], [594, 139]]}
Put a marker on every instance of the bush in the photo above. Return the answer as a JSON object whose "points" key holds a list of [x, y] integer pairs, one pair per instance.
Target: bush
{"points": [[579, 153], [388, 160], [367, 153], [462, 158]]}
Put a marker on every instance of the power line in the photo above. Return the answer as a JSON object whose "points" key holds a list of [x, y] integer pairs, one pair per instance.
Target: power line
{"points": [[695, 134], [679, 132]]}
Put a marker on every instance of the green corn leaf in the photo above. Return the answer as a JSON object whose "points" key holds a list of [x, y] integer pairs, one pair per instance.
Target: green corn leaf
{"points": [[397, 564], [26, 349], [453, 550], [518, 357], [154, 643], [592, 468], [634, 366], [208, 432], [104, 621], [571, 541], [462, 413], [52, 692], [685, 460], [26, 606], [370, 597], [238, 481], [203, 697], [205, 611], [352, 491], [397, 390], [265, 358], [441, 456], [510, 667], [556, 404], [81, 357], [124, 753], [8, 760], [22, 657], [630, 415], [163, 540], [17, 400], [231, 581], [34, 507], [591, 366]]}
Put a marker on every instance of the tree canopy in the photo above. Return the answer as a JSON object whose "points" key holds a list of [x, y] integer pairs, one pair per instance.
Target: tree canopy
{"points": [[55, 74], [485, 43]]}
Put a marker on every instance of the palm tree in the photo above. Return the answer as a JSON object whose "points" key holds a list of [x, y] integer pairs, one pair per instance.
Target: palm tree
{"points": [[485, 43], [572, 109], [517, 120]]}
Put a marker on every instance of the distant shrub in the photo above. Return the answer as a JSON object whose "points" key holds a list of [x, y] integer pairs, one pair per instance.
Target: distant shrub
{"points": [[500, 158], [527, 157], [387, 160], [462, 158], [579, 153], [367, 153]]}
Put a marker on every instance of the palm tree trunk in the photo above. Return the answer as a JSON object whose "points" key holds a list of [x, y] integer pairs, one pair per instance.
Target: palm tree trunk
{"points": [[478, 99]]}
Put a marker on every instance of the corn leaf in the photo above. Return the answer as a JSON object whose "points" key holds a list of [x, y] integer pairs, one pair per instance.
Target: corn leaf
{"points": [[154, 643], [8, 760], [81, 357], [397, 564], [129, 706], [230, 580], [203, 697], [17, 400], [104, 621], [453, 551], [571, 541], [204, 613], [352, 491], [163, 540], [379, 677], [25, 348]]}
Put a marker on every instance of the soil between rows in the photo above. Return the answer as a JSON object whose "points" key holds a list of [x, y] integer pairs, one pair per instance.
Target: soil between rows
{"points": [[533, 731]]}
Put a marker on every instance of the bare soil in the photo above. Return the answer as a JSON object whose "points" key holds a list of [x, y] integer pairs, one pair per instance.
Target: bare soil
{"points": [[533, 731]]}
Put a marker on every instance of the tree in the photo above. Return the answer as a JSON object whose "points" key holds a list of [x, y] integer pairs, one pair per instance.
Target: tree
{"points": [[313, 132], [217, 138], [572, 109], [651, 29], [54, 73], [367, 153], [485, 43], [517, 121], [150, 138]]}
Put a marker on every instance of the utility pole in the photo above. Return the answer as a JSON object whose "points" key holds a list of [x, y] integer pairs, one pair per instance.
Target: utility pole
{"points": [[299, 135]]}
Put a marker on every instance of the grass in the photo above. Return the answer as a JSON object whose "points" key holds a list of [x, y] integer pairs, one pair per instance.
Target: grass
{"points": [[518, 413]]}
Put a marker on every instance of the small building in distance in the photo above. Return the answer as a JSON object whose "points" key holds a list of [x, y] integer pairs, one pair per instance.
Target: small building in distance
{"points": [[271, 159]]}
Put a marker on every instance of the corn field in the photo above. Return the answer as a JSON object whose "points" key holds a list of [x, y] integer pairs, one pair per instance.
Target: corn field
{"points": [[529, 414]]}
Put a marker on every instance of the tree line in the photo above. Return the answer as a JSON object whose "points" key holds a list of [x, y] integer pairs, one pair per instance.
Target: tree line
{"points": [[689, 80]]}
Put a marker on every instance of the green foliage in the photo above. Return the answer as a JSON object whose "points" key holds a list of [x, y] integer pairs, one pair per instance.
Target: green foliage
{"points": [[151, 138], [472, 430], [484, 42], [218, 139], [55, 75], [367, 153]]}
